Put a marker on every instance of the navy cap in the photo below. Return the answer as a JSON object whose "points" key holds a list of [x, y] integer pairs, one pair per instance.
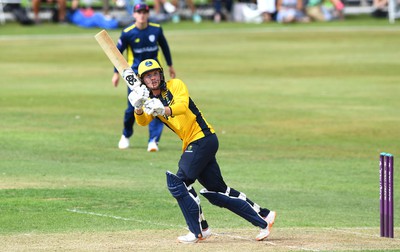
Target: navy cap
{"points": [[141, 6]]}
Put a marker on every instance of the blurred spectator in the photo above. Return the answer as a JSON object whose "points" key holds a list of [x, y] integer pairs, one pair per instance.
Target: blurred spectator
{"points": [[267, 8], [324, 10], [314, 10], [333, 10], [128, 4], [380, 8], [126, 18], [59, 10], [74, 4], [160, 5], [179, 4], [89, 18], [220, 12], [163, 10], [19, 12], [290, 11]]}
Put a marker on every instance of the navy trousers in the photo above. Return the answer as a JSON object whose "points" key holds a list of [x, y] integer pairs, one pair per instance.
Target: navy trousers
{"points": [[199, 162]]}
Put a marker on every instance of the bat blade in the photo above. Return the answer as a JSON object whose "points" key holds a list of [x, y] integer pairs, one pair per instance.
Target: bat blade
{"points": [[116, 58]]}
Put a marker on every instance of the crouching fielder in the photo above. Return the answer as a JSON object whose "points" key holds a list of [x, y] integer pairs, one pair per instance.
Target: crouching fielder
{"points": [[170, 103]]}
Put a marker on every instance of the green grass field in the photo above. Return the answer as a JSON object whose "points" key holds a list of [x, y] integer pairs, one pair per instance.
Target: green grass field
{"points": [[302, 113]]}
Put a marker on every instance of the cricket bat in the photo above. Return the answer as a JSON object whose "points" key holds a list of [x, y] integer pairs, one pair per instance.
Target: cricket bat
{"points": [[117, 59]]}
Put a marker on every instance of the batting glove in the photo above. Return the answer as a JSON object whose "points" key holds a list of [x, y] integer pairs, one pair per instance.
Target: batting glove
{"points": [[131, 79], [154, 107], [138, 96]]}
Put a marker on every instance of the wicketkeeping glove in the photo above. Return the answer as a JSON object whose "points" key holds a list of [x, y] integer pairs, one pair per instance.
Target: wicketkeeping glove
{"points": [[138, 96], [154, 107]]}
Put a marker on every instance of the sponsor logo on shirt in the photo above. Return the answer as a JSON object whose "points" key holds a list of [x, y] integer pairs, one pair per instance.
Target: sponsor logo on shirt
{"points": [[146, 49], [189, 148]]}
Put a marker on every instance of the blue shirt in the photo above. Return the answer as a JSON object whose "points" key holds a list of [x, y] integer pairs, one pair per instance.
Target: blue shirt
{"points": [[143, 44]]}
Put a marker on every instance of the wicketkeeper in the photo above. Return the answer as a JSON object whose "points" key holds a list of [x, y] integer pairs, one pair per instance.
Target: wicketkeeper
{"points": [[170, 103]]}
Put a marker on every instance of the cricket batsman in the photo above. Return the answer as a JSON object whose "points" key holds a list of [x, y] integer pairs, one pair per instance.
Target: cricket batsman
{"points": [[169, 102]]}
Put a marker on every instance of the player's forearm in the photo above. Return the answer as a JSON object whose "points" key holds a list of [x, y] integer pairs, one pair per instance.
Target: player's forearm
{"points": [[142, 118]]}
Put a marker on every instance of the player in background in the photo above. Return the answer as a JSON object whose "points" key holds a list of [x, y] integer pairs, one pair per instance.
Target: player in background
{"points": [[142, 40], [60, 5], [170, 103]]}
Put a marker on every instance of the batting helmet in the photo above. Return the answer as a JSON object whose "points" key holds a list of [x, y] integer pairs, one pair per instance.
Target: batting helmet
{"points": [[150, 65]]}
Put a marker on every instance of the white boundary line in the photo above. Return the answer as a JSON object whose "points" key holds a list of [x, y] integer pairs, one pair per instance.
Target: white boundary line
{"points": [[347, 230], [290, 29], [220, 31], [176, 226], [46, 36], [123, 218]]}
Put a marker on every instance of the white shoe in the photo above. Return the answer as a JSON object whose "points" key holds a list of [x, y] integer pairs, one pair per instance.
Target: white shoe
{"points": [[251, 14], [176, 18], [197, 18], [152, 146], [191, 238], [264, 233], [120, 3], [123, 142], [170, 8]]}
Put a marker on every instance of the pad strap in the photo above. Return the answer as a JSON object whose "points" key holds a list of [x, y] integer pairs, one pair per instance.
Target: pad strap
{"points": [[238, 203]]}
